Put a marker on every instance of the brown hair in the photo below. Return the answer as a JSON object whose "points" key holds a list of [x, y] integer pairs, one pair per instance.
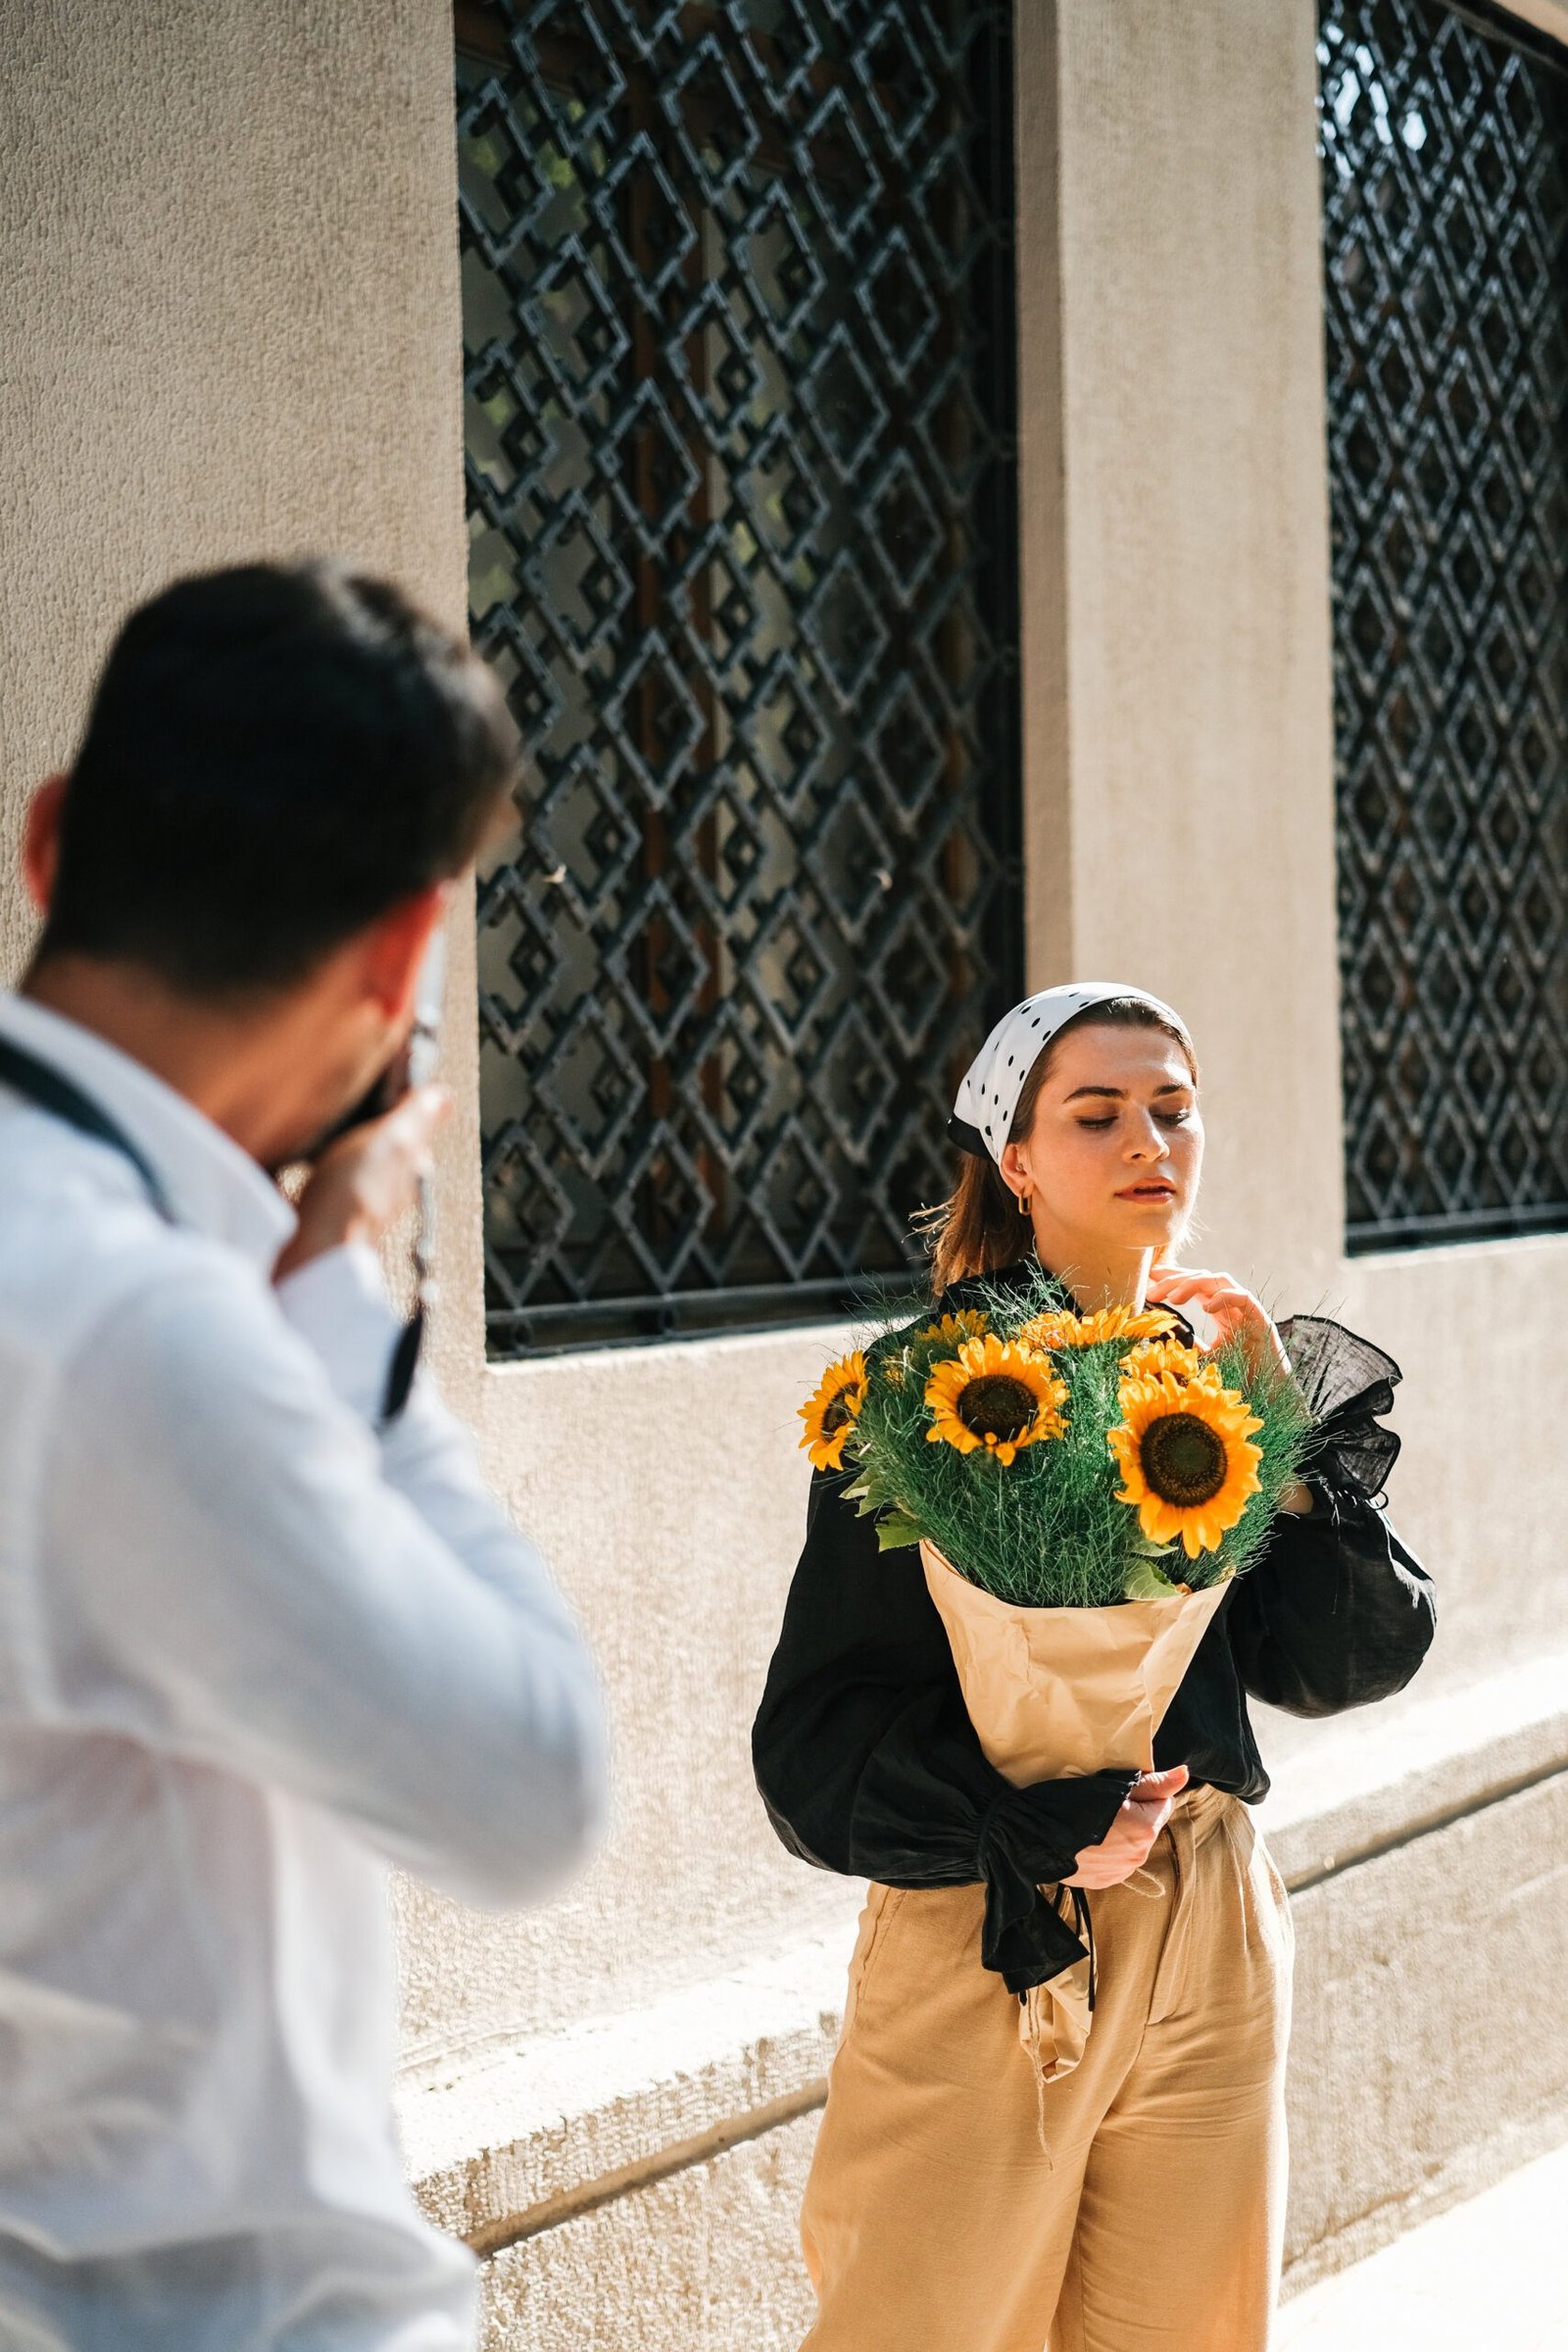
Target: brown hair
{"points": [[979, 1228]]}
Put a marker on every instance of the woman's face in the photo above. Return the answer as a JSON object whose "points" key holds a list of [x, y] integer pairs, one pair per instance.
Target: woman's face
{"points": [[1113, 1160]]}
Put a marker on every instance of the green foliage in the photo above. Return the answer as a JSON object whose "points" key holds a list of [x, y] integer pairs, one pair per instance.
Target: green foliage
{"points": [[1047, 1531]]}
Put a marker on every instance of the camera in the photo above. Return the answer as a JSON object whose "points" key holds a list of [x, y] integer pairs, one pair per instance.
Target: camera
{"points": [[415, 1060]]}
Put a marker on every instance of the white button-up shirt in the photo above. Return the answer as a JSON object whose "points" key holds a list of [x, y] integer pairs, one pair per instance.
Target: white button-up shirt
{"points": [[250, 1652]]}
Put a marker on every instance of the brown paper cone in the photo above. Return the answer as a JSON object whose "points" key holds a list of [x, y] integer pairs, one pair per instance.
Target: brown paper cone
{"points": [[1055, 1693]]}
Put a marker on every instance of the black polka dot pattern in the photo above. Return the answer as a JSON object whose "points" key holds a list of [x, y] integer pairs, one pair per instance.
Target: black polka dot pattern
{"points": [[996, 1074]]}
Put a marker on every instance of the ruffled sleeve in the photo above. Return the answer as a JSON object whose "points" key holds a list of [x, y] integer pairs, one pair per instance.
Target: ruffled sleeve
{"points": [[1337, 1613], [1347, 1382], [868, 1764]]}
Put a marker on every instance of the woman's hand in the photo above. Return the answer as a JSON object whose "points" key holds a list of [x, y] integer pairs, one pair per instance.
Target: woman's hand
{"points": [[1237, 1313], [366, 1181], [1127, 1843]]}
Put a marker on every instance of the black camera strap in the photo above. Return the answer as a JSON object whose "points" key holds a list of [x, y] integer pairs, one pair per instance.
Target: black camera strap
{"points": [[47, 1089], [405, 1364]]}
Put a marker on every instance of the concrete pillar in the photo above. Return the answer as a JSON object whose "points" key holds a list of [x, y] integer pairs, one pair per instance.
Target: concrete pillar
{"points": [[1176, 662]]}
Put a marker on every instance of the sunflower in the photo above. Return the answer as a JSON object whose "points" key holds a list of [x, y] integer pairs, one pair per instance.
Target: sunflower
{"points": [[968, 1323], [1186, 1464], [1161, 1355], [832, 1411], [994, 1394], [1061, 1328]]}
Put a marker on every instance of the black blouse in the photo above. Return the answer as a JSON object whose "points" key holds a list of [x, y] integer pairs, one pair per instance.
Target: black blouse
{"points": [[868, 1764]]}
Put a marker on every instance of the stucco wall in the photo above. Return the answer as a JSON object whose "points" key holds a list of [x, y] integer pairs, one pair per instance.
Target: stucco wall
{"points": [[227, 249], [1177, 679], [229, 284], [1180, 809], [231, 301], [1177, 665], [231, 307], [666, 1482], [1176, 592], [229, 271]]}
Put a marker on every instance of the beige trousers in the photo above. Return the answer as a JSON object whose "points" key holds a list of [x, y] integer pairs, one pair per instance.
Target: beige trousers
{"points": [[935, 2220]]}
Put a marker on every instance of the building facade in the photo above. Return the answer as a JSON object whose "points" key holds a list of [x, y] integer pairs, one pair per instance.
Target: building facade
{"points": [[1119, 508]]}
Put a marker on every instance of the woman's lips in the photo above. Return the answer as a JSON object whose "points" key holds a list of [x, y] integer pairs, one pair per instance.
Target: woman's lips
{"points": [[1147, 1191]]}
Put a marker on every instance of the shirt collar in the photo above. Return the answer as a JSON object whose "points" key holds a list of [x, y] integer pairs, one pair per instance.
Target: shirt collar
{"points": [[216, 1188]]}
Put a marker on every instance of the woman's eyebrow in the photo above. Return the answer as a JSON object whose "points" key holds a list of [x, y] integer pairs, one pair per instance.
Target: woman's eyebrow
{"points": [[1117, 1094]]}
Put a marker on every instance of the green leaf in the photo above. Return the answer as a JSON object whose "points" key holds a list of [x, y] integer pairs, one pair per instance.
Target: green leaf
{"points": [[870, 1494], [895, 1533], [1146, 1582]]}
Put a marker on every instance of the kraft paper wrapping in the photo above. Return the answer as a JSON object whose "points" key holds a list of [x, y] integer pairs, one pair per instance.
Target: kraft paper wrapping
{"points": [[1053, 1695]]}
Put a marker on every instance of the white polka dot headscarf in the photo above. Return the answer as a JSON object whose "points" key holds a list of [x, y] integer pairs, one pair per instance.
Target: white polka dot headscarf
{"points": [[987, 1101]]}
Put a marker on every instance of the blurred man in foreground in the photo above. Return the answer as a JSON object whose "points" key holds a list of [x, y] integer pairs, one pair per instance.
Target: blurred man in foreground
{"points": [[262, 1631]]}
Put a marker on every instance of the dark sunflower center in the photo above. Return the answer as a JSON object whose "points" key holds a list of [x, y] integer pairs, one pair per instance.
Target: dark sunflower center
{"points": [[1184, 1460], [837, 1414], [996, 1405]]}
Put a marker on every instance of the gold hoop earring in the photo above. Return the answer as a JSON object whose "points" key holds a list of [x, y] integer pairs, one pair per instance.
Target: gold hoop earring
{"points": [[1023, 1204]]}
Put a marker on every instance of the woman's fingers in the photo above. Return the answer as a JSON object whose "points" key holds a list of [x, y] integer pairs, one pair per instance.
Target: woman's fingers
{"points": [[1233, 1308], [1129, 1842], [1222, 1299], [1209, 1289], [1151, 1819]]}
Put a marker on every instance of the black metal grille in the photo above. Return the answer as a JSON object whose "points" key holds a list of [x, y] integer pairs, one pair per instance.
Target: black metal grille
{"points": [[1445, 143], [740, 465]]}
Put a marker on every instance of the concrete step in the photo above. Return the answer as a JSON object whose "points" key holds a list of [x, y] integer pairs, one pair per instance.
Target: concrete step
{"points": [[1492, 2271]]}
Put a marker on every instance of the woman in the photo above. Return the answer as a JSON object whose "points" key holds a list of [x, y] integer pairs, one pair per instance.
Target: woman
{"points": [[960, 2201]]}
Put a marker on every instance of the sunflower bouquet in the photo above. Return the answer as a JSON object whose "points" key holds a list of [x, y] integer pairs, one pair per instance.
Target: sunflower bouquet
{"points": [[1080, 1487]]}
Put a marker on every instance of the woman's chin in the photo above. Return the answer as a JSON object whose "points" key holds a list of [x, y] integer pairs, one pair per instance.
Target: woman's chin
{"points": [[1152, 1223]]}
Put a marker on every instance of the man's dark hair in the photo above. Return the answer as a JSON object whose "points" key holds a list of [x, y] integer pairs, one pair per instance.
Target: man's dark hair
{"points": [[275, 755]]}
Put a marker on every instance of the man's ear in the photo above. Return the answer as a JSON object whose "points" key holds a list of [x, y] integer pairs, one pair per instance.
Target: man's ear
{"points": [[395, 946], [40, 840]]}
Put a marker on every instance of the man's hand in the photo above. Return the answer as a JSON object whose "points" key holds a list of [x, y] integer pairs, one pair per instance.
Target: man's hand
{"points": [[1127, 1843], [366, 1181]]}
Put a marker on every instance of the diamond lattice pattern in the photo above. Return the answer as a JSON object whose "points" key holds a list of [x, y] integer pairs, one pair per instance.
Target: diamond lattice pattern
{"points": [[1446, 219], [740, 476]]}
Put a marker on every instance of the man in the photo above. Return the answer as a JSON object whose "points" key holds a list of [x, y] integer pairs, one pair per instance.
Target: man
{"points": [[258, 1640]]}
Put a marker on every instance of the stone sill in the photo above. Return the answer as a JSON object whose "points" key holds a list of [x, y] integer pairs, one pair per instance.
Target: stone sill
{"points": [[1379, 1780], [563, 2122]]}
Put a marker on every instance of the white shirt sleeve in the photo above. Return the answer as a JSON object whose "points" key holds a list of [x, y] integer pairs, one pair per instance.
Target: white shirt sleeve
{"points": [[338, 1303], [231, 1566]]}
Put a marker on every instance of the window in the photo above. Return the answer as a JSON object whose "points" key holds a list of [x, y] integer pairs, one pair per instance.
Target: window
{"points": [[1445, 145], [739, 379]]}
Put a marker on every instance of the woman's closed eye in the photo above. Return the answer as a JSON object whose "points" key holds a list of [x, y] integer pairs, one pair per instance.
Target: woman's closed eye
{"points": [[1167, 1118]]}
